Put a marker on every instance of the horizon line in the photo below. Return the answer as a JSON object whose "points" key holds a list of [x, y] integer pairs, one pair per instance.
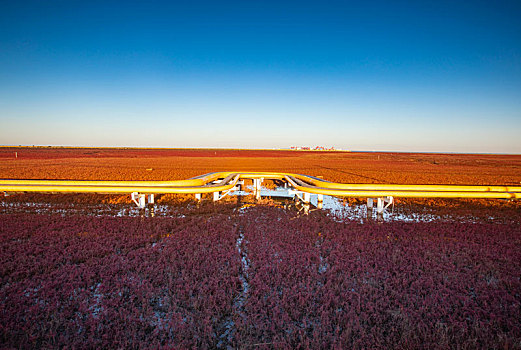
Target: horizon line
{"points": [[340, 150]]}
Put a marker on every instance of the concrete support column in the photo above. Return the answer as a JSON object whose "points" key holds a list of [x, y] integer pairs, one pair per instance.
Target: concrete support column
{"points": [[370, 204], [216, 196], [142, 201], [380, 206], [151, 198], [306, 197], [257, 188], [198, 197], [139, 199]]}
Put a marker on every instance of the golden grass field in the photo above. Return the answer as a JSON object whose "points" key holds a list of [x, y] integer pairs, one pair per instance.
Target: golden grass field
{"points": [[346, 167]]}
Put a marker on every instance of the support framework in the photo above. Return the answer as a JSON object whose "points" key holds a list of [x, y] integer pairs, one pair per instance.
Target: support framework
{"points": [[221, 183]]}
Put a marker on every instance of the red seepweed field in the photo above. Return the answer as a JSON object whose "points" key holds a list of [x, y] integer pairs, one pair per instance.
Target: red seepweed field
{"points": [[229, 275]]}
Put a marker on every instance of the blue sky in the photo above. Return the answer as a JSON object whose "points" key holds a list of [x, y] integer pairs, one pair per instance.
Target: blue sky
{"points": [[399, 76]]}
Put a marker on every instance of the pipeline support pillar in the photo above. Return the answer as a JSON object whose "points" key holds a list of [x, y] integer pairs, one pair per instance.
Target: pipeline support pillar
{"points": [[139, 199], [257, 188], [380, 206]]}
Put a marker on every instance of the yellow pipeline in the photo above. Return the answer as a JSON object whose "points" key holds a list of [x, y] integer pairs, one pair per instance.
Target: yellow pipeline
{"points": [[396, 192], [214, 176], [120, 187], [386, 187], [204, 184], [103, 183], [449, 188]]}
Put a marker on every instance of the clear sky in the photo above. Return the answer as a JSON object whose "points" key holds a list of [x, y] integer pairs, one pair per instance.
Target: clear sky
{"points": [[366, 75]]}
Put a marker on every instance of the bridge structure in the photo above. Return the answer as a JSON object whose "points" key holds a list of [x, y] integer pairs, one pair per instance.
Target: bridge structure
{"points": [[221, 184]]}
